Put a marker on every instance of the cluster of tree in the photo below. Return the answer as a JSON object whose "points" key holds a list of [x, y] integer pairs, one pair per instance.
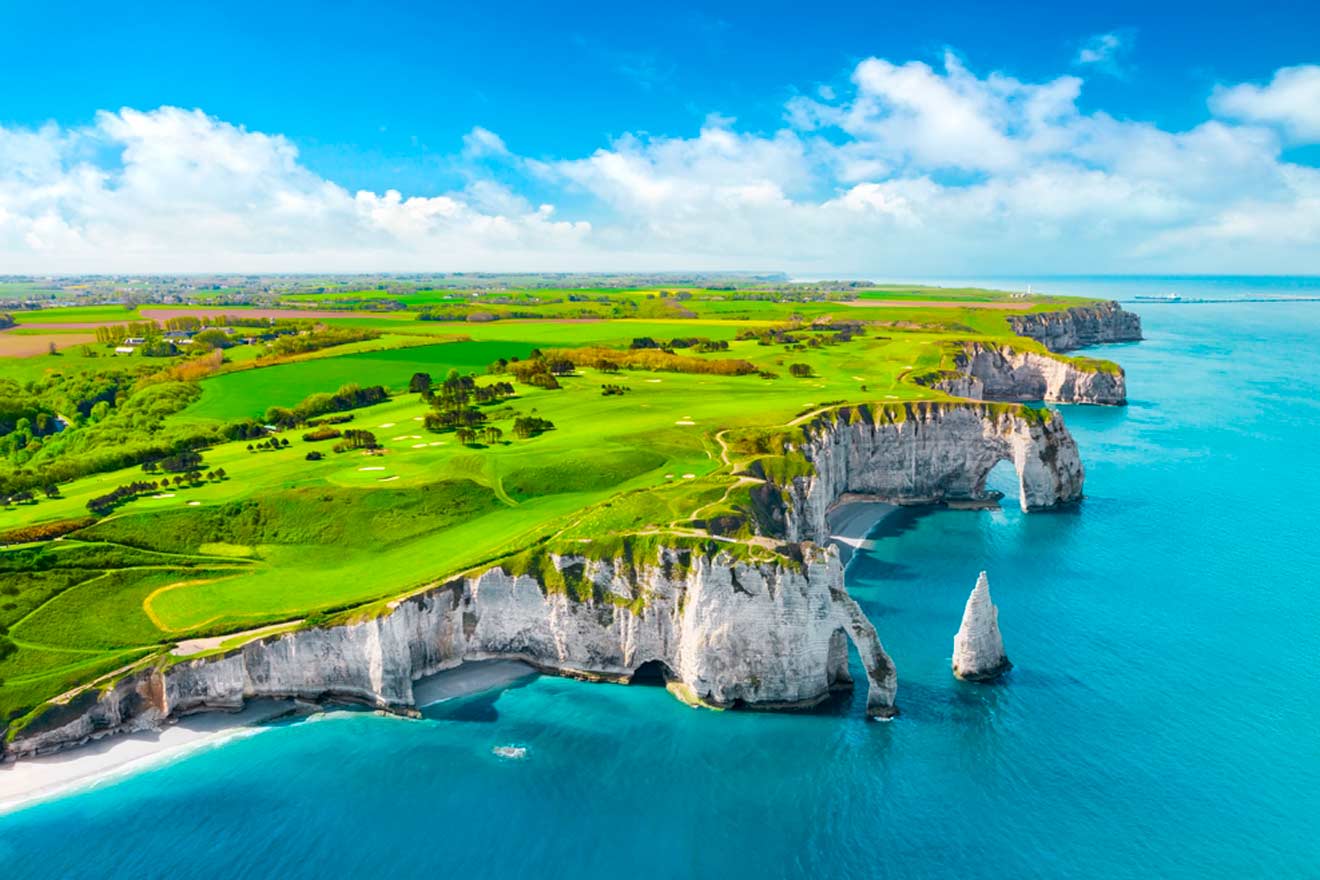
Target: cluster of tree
{"points": [[116, 333], [481, 316], [456, 399], [202, 363], [769, 335], [102, 504], [656, 360], [322, 338], [157, 348], [214, 338], [530, 426], [112, 423], [537, 372], [798, 338], [314, 455], [470, 436], [184, 323], [6, 320], [20, 496], [244, 429], [801, 371], [347, 397], [611, 390], [270, 445], [186, 460], [700, 343], [356, 439], [325, 432], [337, 419]]}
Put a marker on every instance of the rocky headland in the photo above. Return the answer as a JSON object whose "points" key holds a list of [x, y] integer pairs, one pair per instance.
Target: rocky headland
{"points": [[992, 371], [1079, 327]]}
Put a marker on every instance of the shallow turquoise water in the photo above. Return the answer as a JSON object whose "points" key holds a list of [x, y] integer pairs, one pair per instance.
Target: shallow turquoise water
{"points": [[1163, 718]]}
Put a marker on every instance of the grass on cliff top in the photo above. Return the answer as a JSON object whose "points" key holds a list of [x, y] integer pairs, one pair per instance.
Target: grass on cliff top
{"points": [[283, 538]]}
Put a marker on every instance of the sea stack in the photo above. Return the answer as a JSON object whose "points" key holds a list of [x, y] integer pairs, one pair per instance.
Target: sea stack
{"points": [[978, 649]]}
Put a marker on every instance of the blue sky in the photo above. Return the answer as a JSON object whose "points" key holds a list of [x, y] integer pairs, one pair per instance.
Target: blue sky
{"points": [[374, 97]]}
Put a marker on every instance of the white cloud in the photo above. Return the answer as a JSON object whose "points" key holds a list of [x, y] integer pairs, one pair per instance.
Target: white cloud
{"points": [[1106, 52], [911, 170], [481, 142], [1290, 101]]}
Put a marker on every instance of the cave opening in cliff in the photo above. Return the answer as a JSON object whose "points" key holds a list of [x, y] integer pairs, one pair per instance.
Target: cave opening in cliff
{"points": [[653, 672], [1001, 482]]}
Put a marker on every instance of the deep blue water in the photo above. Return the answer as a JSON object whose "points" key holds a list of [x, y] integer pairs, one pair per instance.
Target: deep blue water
{"points": [[1162, 720]]}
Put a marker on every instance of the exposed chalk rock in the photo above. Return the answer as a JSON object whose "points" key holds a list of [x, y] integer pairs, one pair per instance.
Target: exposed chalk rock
{"points": [[1079, 327], [927, 453], [978, 649], [729, 632], [986, 371]]}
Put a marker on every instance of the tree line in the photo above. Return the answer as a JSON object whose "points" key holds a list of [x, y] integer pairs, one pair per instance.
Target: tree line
{"points": [[349, 396]]}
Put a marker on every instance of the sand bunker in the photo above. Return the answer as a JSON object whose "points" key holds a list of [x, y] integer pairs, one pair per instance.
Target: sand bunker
{"points": [[684, 422], [377, 468], [387, 479]]}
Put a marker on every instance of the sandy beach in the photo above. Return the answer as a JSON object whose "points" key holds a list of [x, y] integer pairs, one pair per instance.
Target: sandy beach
{"points": [[852, 519], [35, 779]]}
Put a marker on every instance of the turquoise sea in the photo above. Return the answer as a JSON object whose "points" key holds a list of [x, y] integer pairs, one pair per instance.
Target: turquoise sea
{"points": [[1162, 719]]}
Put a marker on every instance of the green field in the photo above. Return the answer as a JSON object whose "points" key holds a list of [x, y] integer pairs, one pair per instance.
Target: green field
{"points": [[282, 539]]}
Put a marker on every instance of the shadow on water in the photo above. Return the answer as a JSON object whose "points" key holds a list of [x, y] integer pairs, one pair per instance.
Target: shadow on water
{"points": [[474, 708]]}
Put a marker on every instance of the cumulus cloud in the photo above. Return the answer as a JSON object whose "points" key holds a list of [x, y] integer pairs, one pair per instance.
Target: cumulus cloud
{"points": [[911, 169], [187, 192], [1290, 101]]}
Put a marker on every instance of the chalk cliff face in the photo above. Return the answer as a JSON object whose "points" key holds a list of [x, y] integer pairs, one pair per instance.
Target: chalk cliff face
{"points": [[929, 453], [728, 632], [1000, 372], [978, 648], [1079, 327]]}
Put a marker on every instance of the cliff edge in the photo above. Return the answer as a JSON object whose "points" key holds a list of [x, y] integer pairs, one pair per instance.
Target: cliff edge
{"points": [[1079, 327]]}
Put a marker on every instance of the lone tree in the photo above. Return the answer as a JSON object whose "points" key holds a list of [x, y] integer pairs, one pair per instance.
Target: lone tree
{"points": [[420, 383]]}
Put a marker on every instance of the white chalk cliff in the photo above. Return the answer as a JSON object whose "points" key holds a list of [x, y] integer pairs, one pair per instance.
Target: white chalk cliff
{"points": [[1079, 327], [929, 453], [978, 648], [989, 371]]}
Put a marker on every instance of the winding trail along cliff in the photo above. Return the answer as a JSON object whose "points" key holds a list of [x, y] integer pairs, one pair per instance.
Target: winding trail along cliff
{"points": [[764, 623], [1079, 326], [987, 371]]}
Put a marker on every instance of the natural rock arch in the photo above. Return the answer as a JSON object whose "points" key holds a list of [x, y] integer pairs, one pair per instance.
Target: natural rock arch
{"points": [[931, 453]]}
